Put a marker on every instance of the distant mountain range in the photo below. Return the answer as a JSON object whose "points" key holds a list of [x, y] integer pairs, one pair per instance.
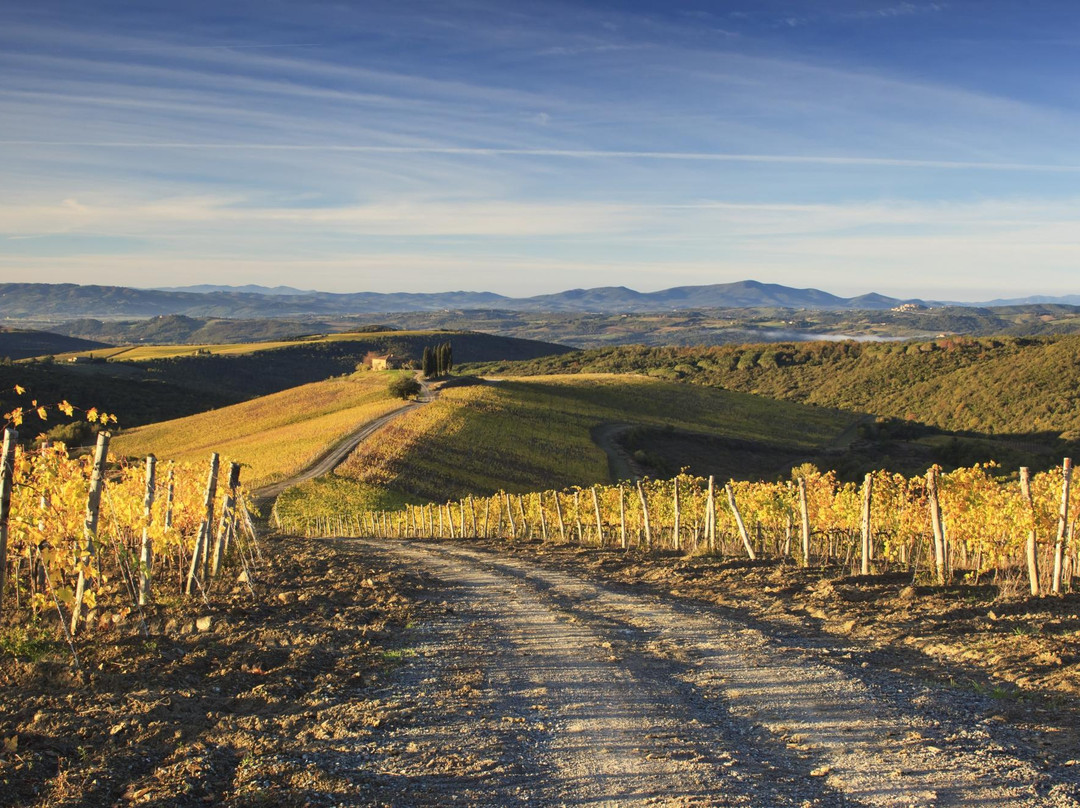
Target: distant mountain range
{"points": [[40, 301]]}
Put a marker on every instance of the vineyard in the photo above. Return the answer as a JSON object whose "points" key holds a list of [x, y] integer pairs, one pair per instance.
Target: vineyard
{"points": [[95, 541], [963, 525], [528, 434], [273, 436]]}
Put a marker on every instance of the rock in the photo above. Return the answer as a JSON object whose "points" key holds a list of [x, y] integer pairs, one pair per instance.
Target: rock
{"points": [[203, 623]]}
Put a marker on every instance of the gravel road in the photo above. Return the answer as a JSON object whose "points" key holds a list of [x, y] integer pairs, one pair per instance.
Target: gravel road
{"points": [[336, 454], [555, 690]]}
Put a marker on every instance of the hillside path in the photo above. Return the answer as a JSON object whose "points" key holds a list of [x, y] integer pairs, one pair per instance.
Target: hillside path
{"points": [[337, 453], [559, 690]]}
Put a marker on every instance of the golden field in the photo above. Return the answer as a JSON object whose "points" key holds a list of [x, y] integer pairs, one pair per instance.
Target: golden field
{"points": [[272, 436]]}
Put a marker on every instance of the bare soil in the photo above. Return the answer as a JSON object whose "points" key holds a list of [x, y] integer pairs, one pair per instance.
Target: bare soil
{"points": [[405, 673]]}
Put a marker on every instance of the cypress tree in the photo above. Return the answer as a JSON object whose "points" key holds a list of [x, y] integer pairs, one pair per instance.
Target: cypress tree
{"points": [[428, 363], [449, 357], [442, 359]]}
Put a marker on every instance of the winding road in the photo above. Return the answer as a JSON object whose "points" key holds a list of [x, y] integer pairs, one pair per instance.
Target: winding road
{"points": [[336, 454]]}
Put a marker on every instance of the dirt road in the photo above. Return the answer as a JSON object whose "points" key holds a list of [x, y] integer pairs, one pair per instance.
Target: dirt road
{"points": [[582, 694], [336, 454]]}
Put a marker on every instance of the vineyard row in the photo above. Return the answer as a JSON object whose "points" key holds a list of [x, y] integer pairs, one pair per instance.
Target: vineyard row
{"points": [[970, 521], [96, 539]]}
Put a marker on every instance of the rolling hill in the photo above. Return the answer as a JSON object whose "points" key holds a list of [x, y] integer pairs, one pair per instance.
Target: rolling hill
{"points": [[1019, 393], [147, 383], [59, 302], [535, 433], [22, 344], [273, 435]]}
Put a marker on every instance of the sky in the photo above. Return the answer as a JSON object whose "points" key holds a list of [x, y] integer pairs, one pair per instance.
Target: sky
{"points": [[916, 149]]}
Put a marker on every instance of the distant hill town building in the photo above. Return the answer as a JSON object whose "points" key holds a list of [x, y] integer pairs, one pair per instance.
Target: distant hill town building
{"points": [[388, 362], [909, 307]]}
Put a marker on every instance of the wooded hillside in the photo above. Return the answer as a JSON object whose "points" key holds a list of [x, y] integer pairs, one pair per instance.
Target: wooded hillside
{"points": [[988, 385]]}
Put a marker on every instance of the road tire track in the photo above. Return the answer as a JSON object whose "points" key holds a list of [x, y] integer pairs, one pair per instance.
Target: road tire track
{"points": [[650, 702]]}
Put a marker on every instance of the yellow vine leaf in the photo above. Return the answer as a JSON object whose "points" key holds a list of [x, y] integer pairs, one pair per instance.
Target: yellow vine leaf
{"points": [[19, 389], [65, 595], [91, 414], [44, 416], [66, 408], [11, 745]]}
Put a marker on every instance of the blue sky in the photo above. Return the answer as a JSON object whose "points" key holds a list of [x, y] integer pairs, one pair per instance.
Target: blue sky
{"points": [[912, 148]]}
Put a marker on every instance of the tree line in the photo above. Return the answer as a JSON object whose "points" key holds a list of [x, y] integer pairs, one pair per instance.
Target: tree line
{"points": [[438, 360]]}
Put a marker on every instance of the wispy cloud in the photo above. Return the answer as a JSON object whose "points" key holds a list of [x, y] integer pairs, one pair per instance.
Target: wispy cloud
{"points": [[551, 137], [583, 154]]}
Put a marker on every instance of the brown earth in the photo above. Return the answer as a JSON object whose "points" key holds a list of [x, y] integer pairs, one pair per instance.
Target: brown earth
{"points": [[217, 705]]}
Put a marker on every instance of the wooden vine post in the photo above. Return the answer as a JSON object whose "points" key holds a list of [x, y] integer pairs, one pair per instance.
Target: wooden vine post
{"points": [[710, 515], [562, 523], [510, 516], [543, 519], [676, 539], [90, 525], [146, 557], [1032, 544], [170, 497], [804, 512], [743, 533], [1063, 526], [622, 517], [936, 523], [645, 516], [200, 554], [7, 483], [599, 521], [228, 511], [577, 515], [521, 515], [867, 526]]}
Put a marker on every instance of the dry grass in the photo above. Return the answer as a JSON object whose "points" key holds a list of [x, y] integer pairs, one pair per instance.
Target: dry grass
{"points": [[527, 434], [273, 436]]}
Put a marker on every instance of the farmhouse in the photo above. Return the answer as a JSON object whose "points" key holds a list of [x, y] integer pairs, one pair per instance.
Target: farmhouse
{"points": [[388, 362]]}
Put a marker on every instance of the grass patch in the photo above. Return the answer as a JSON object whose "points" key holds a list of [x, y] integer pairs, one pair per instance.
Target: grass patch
{"points": [[27, 643], [336, 495]]}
